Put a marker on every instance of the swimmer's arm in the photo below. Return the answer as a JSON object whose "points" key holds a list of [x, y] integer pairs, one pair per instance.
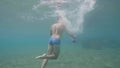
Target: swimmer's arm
{"points": [[71, 35], [68, 32]]}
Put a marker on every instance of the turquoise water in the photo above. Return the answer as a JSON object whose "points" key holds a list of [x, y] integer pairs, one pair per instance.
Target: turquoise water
{"points": [[24, 34]]}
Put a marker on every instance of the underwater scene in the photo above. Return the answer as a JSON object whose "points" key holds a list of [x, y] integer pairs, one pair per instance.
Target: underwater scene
{"points": [[25, 33]]}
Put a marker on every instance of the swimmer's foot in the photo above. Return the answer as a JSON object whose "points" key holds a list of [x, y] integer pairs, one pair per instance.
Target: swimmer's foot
{"points": [[41, 56]]}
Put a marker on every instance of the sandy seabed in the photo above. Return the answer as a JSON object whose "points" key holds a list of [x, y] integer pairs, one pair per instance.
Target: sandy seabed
{"points": [[70, 57]]}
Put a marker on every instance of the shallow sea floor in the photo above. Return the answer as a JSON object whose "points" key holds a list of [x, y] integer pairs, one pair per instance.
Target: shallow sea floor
{"points": [[70, 57]]}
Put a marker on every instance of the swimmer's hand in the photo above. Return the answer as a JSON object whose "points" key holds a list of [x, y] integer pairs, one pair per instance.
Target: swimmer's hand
{"points": [[74, 39]]}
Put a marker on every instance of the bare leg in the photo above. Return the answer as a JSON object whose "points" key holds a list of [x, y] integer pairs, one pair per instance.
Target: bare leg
{"points": [[38, 57], [53, 52], [44, 63], [44, 56], [45, 59], [51, 56]]}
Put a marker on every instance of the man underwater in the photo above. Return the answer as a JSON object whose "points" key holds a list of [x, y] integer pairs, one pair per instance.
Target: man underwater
{"points": [[54, 42]]}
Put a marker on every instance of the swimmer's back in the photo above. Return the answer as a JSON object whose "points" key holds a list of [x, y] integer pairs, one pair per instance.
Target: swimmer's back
{"points": [[57, 29]]}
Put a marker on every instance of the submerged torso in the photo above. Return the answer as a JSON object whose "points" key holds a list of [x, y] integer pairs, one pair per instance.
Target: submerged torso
{"points": [[57, 29]]}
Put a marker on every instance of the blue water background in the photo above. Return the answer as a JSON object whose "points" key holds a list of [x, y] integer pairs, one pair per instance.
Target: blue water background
{"points": [[22, 32]]}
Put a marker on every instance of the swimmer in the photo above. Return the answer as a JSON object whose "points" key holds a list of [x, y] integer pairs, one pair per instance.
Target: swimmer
{"points": [[54, 41]]}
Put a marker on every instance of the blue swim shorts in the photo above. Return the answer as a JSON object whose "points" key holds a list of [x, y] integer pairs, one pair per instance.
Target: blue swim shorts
{"points": [[54, 41]]}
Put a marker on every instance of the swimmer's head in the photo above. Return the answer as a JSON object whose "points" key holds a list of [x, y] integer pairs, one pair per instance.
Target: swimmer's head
{"points": [[60, 14], [59, 17]]}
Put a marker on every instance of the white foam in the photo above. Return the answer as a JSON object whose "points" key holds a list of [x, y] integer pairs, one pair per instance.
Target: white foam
{"points": [[76, 26], [73, 18]]}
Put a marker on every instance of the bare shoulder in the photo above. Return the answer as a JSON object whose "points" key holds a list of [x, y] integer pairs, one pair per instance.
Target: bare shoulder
{"points": [[54, 25]]}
